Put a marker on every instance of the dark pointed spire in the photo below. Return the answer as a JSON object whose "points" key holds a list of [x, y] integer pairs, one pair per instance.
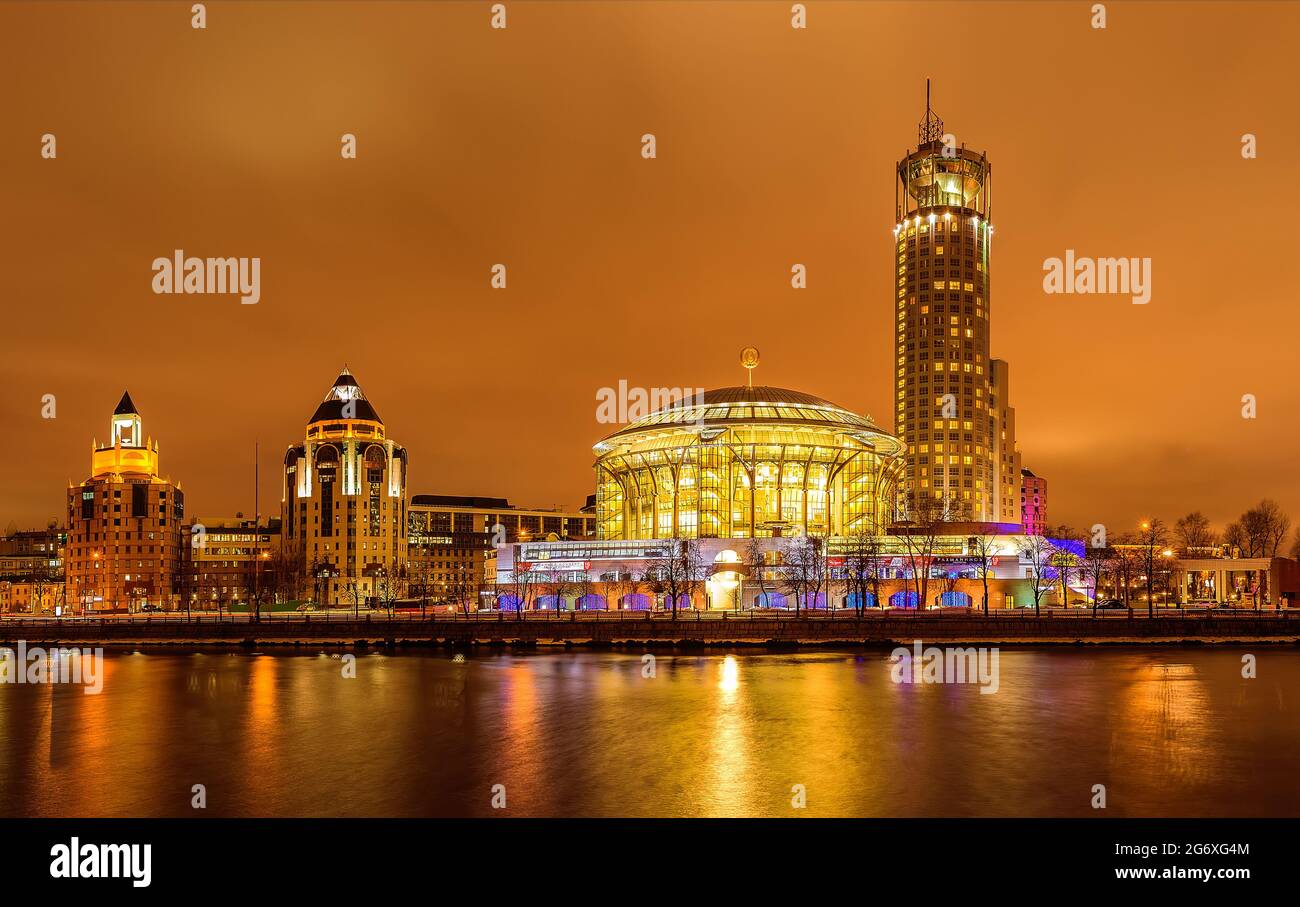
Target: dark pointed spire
{"points": [[126, 407], [930, 129]]}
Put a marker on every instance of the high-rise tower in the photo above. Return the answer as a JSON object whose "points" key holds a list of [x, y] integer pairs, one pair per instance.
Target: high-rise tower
{"points": [[942, 392], [344, 510], [124, 524]]}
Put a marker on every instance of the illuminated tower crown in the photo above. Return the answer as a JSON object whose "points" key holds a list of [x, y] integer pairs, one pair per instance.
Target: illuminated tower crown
{"points": [[941, 175], [128, 452], [345, 402]]}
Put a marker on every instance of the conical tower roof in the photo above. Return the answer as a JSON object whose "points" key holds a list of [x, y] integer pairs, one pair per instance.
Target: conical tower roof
{"points": [[345, 391], [127, 406]]}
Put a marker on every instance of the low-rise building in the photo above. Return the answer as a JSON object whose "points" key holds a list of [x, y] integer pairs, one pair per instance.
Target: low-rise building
{"points": [[28, 597], [1241, 581], [725, 574], [230, 561], [453, 541]]}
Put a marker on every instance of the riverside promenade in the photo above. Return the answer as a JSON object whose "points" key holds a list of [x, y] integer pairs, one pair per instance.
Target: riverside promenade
{"points": [[690, 629]]}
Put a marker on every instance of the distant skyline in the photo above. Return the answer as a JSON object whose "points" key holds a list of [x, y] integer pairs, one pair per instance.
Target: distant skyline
{"points": [[522, 146]]}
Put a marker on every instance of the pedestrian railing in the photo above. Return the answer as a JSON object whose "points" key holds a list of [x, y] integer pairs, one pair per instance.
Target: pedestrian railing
{"points": [[307, 618]]}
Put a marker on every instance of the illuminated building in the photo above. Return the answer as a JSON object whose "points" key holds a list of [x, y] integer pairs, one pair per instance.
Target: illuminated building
{"points": [[124, 524], [28, 597], [230, 560], [600, 574], [344, 499], [957, 452], [746, 461], [1006, 457], [453, 541], [33, 554], [1033, 503]]}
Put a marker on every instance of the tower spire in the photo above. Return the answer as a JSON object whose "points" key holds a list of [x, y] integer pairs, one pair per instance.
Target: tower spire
{"points": [[930, 129]]}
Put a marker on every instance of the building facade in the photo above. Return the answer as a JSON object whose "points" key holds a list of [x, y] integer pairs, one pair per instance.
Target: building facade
{"points": [[124, 525], [598, 575], [32, 597], [344, 512], [1033, 503], [453, 541], [230, 562], [1006, 455], [958, 447], [743, 462]]}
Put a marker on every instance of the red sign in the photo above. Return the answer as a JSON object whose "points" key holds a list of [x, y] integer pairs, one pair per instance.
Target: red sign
{"points": [[834, 562]]}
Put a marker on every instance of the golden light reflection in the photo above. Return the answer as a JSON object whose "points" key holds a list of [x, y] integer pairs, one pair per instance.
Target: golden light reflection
{"points": [[1165, 724], [728, 762], [730, 681]]}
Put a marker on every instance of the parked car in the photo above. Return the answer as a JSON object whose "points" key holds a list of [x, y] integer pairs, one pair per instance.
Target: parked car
{"points": [[1111, 604], [150, 608]]}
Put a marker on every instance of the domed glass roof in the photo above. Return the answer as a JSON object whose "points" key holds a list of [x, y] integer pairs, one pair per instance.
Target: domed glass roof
{"points": [[729, 406]]}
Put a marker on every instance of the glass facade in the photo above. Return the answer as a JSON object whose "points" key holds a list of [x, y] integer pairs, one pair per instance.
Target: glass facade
{"points": [[748, 462]]}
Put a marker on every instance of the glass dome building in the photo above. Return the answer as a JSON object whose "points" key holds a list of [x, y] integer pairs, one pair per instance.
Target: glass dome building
{"points": [[742, 462]]}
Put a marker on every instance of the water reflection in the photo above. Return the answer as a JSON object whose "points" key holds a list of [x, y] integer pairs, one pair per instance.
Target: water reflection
{"points": [[1169, 731]]}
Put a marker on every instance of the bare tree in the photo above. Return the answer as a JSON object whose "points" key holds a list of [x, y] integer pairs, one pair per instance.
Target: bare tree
{"points": [[1193, 533], [387, 582], [523, 582], [464, 585], [796, 571], [1038, 552], [585, 587], [678, 571], [951, 579], [260, 583], [984, 546], [756, 563], [1096, 563], [322, 572], [927, 522], [862, 567], [1064, 559], [622, 585], [42, 580], [1152, 540], [1261, 530], [352, 593], [819, 574], [1234, 536], [422, 581], [287, 567], [1277, 525], [558, 585], [1125, 564]]}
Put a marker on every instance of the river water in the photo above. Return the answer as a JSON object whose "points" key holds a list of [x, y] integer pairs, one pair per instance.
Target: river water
{"points": [[1169, 731]]}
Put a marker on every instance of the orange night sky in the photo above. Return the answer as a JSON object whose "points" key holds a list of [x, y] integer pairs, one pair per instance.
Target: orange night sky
{"points": [[522, 146]]}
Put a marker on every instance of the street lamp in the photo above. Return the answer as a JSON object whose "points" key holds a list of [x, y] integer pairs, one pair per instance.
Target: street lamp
{"points": [[257, 584]]}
